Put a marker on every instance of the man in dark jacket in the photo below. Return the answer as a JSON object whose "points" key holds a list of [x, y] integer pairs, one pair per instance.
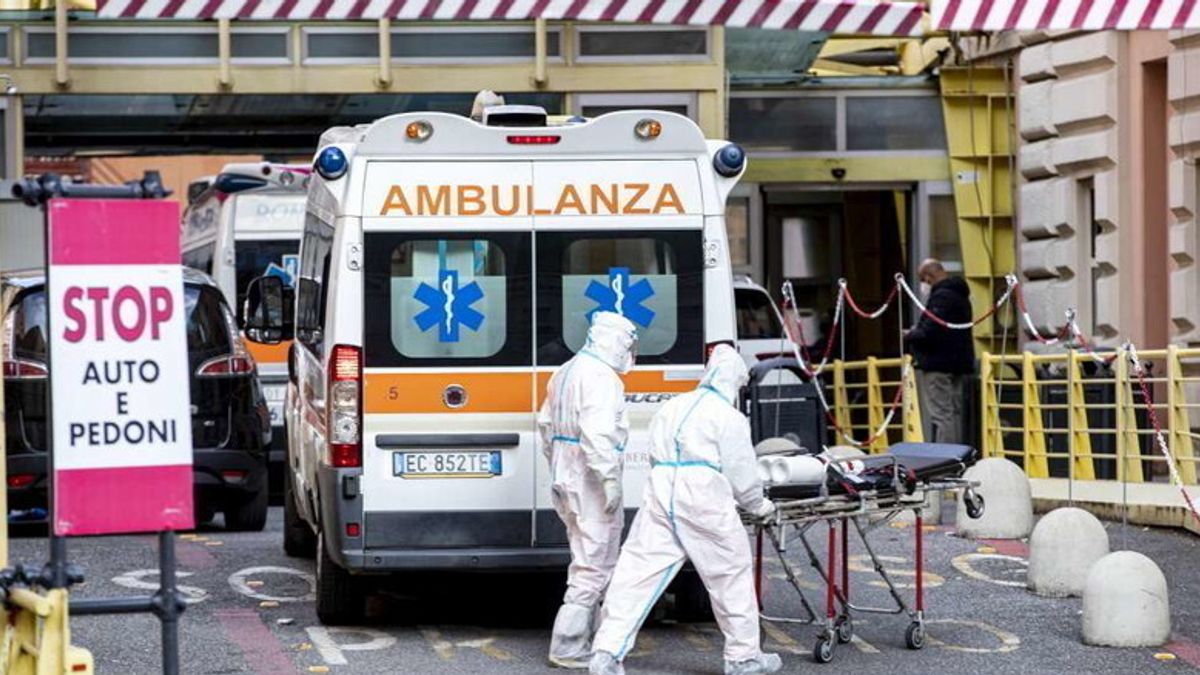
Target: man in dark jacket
{"points": [[944, 357]]}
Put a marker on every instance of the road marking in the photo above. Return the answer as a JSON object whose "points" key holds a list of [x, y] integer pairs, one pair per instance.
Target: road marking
{"points": [[136, 579], [446, 649], [965, 564], [238, 581], [806, 585], [1013, 547], [862, 645], [1008, 641], [862, 563], [645, 646], [1185, 649], [784, 641], [260, 648], [333, 652]]}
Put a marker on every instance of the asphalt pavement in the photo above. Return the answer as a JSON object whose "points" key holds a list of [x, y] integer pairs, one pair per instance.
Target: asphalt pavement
{"points": [[251, 611]]}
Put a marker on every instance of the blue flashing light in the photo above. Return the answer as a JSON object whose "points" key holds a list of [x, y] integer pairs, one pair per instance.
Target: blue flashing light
{"points": [[331, 163], [730, 160]]}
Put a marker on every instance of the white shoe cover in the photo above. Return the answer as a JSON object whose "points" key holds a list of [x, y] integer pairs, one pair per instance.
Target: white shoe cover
{"points": [[603, 663], [571, 641], [764, 663]]}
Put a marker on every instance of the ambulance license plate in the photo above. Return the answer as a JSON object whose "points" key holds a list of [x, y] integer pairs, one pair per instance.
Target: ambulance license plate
{"points": [[446, 464]]}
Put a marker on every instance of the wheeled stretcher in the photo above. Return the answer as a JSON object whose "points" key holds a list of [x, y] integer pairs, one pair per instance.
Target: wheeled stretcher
{"points": [[862, 494]]}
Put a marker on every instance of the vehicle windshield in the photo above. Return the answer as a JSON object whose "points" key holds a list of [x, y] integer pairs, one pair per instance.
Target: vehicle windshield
{"points": [[259, 257], [25, 327], [756, 317]]}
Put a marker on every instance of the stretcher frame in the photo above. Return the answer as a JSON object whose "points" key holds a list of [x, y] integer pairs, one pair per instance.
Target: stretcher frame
{"points": [[867, 511]]}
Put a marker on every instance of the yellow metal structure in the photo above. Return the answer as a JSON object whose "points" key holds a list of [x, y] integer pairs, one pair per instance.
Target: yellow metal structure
{"points": [[863, 392], [978, 110], [1105, 410]]}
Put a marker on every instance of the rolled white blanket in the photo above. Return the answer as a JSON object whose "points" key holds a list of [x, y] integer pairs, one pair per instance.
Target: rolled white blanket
{"points": [[802, 470]]}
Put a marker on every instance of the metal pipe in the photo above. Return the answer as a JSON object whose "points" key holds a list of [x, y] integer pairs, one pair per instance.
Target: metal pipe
{"points": [[224, 53], [125, 605], [62, 77], [170, 605], [385, 53], [539, 48]]}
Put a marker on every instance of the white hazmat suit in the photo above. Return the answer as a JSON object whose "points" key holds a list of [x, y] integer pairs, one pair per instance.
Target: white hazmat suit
{"points": [[704, 470], [583, 429]]}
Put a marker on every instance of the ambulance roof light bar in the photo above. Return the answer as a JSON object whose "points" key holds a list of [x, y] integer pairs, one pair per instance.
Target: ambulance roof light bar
{"points": [[514, 116]]}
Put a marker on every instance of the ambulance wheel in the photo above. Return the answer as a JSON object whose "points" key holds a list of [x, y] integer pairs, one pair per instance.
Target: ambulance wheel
{"points": [[844, 628], [250, 514], [340, 598], [298, 538], [914, 637], [823, 651]]}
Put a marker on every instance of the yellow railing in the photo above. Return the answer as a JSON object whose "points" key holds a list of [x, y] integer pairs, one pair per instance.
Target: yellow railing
{"points": [[863, 393], [1066, 416]]}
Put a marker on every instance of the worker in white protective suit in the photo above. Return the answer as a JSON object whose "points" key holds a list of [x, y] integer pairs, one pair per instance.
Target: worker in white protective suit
{"points": [[704, 470], [583, 429]]}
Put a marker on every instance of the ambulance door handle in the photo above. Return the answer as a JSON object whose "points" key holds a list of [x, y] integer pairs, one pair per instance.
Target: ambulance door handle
{"points": [[391, 441]]}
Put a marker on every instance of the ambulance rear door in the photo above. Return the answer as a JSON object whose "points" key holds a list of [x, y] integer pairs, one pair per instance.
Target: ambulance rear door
{"points": [[623, 236], [449, 450]]}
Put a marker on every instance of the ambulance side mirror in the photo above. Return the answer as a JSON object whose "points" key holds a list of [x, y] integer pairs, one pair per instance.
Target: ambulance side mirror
{"points": [[268, 311]]}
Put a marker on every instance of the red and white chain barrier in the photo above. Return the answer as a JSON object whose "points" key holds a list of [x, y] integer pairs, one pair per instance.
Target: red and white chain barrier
{"points": [[1140, 370]]}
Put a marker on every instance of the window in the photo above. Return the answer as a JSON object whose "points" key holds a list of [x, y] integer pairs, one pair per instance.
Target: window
{"points": [[756, 317], [25, 327], [5, 54], [208, 330], [200, 258], [623, 43], [737, 229], [428, 44], [257, 258], [447, 299], [158, 44], [943, 231], [654, 279], [595, 105], [312, 287], [894, 123], [790, 124]]}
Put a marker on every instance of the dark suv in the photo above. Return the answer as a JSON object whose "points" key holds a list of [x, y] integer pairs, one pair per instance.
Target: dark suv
{"points": [[231, 425]]}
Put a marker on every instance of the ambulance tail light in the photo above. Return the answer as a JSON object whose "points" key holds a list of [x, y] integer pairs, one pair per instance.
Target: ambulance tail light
{"points": [[345, 407], [540, 139]]}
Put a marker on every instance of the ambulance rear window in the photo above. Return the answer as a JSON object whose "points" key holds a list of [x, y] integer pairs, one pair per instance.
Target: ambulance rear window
{"points": [[653, 278], [449, 299]]}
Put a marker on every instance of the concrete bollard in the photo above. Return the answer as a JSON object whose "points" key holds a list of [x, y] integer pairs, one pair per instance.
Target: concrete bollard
{"points": [[1125, 602], [1008, 504], [1063, 547], [775, 446]]}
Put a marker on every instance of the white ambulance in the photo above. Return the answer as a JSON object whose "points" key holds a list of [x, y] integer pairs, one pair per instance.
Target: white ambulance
{"points": [[448, 267], [241, 224]]}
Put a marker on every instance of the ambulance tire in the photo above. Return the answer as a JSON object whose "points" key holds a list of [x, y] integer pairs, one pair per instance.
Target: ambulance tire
{"points": [[249, 515], [340, 597], [692, 604], [298, 538]]}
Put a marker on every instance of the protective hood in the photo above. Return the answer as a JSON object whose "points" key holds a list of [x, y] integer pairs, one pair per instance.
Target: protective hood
{"points": [[726, 372], [612, 338]]}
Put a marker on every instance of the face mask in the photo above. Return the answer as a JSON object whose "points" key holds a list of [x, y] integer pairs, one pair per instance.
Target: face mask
{"points": [[925, 289]]}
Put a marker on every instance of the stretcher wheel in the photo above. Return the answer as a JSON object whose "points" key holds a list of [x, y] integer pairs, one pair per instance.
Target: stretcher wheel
{"points": [[823, 651], [914, 637], [974, 504], [844, 628]]}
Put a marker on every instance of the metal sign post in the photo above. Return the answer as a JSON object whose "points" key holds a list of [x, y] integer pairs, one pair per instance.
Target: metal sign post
{"points": [[126, 488]]}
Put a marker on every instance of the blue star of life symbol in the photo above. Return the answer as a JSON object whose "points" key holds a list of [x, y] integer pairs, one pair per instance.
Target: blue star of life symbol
{"points": [[448, 306], [622, 297]]}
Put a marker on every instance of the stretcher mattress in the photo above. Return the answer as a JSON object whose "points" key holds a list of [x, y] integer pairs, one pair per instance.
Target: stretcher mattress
{"points": [[918, 462]]}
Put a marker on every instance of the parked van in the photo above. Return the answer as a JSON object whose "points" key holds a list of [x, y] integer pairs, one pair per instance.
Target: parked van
{"points": [[447, 268], [243, 223]]}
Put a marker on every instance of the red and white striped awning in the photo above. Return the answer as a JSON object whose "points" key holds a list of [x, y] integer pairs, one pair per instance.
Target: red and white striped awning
{"points": [[866, 17], [996, 15]]}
